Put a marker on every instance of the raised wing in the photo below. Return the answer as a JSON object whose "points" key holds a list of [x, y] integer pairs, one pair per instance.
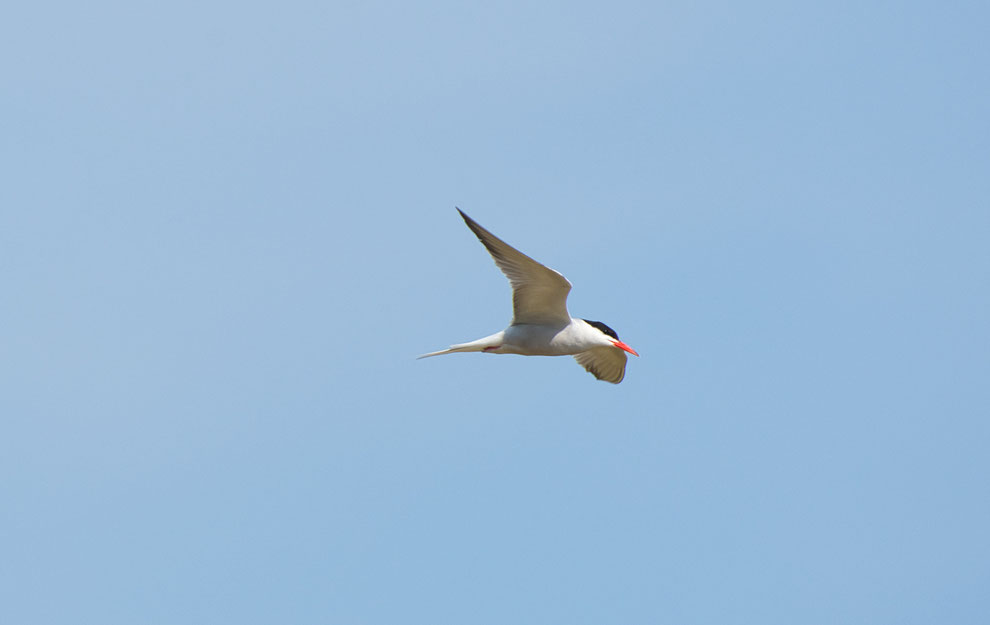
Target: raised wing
{"points": [[539, 294], [605, 363]]}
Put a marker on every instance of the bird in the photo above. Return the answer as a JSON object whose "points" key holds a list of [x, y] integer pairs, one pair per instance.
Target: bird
{"points": [[541, 325]]}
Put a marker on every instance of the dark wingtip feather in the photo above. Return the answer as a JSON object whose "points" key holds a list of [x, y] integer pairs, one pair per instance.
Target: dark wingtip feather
{"points": [[472, 224], [480, 232]]}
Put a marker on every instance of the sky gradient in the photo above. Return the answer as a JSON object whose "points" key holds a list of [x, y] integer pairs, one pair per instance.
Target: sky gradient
{"points": [[228, 229]]}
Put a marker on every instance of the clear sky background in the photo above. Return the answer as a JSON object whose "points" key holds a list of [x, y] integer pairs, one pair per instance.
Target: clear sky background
{"points": [[227, 229]]}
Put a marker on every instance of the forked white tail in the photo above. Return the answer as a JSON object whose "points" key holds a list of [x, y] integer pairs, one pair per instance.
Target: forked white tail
{"points": [[495, 340]]}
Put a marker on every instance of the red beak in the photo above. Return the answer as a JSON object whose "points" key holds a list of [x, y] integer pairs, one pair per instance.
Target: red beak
{"points": [[625, 347]]}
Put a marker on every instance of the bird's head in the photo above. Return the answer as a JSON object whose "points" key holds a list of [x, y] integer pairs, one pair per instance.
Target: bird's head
{"points": [[610, 335]]}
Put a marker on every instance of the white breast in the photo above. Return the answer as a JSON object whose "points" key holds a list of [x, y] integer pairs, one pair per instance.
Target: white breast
{"points": [[546, 340]]}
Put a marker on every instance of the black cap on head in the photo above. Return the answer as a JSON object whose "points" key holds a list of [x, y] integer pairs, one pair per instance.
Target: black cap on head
{"points": [[604, 328]]}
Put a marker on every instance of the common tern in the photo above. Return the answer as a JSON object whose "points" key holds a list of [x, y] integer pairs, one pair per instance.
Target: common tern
{"points": [[541, 325]]}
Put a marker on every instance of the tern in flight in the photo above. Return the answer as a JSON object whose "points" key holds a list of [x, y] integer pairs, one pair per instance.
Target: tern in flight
{"points": [[541, 325]]}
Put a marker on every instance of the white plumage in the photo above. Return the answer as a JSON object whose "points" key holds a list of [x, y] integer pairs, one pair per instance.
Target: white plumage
{"points": [[541, 325]]}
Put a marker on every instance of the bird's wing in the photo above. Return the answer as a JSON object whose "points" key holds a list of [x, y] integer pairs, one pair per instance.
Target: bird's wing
{"points": [[605, 363], [539, 294]]}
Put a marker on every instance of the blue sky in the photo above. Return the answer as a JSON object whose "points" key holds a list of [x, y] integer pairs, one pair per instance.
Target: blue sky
{"points": [[227, 229]]}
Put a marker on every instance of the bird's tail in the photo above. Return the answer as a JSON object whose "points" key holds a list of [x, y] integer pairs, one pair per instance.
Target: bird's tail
{"points": [[451, 350], [487, 343]]}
